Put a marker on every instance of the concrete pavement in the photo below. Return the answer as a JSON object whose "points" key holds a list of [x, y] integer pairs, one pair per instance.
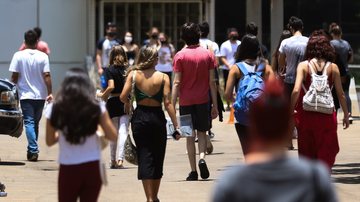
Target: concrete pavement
{"points": [[37, 181]]}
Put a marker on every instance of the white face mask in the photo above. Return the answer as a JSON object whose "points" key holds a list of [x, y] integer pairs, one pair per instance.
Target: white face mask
{"points": [[128, 39]]}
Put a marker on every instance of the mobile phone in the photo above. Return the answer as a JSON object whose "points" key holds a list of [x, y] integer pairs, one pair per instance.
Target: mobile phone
{"points": [[175, 133]]}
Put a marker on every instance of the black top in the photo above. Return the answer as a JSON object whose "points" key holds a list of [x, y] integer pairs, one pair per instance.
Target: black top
{"points": [[116, 73], [130, 55]]}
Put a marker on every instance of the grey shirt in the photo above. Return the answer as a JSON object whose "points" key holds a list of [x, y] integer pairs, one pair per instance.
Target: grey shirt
{"points": [[282, 180], [343, 52], [294, 50]]}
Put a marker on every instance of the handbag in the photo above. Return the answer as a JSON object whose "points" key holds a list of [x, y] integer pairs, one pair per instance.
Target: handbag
{"points": [[129, 148], [130, 151]]}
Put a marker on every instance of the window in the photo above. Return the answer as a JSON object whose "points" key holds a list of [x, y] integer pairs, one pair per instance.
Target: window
{"points": [[138, 18]]}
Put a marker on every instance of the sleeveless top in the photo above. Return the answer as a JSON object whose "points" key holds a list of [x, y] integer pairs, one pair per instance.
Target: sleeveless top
{"points": [[139, 95]]}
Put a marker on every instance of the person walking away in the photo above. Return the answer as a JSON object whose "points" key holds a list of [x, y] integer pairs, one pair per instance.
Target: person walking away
{"points": [[317, 128], [274, 58], [103, 49], [41, 45], [72, 121], [148, 122], [31, 73], [214, 48], [166, 55], [269, 174], [252, 28], [118, 111], [130, 47], [248, 58], [227, 52], [292, 52], [194, 68], [344, 55]]}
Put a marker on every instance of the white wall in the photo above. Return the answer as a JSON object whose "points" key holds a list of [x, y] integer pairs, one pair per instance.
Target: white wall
{"points": [[63, 22]]}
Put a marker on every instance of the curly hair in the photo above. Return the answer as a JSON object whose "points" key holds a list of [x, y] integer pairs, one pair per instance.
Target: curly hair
{"points": [[118, 56], [319, 47], [76, 111]]}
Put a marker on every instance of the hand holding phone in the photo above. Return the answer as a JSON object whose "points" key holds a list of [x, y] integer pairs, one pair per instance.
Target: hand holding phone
{"points": [[176, 134]]}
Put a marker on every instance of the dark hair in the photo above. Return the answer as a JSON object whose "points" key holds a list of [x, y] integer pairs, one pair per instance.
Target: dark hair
{"points": [[204, 29], [76, 111], [110, 24], [190, 33], [295, 23], [319, 47], [269, 115], [30, 37], [231, 29], [118, 56], [248, 49], [251, 28], [38, 31], [335, 29]]}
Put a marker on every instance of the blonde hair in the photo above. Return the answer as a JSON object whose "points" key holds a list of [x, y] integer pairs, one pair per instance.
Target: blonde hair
{"points": [[118, 56], [146, 59]]}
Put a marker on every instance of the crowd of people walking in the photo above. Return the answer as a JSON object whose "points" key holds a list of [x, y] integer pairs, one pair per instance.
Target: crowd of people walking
{"points": [[304, 84]]}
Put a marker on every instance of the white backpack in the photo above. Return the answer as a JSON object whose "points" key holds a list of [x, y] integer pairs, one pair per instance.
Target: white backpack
{"points": [[318, 98]]}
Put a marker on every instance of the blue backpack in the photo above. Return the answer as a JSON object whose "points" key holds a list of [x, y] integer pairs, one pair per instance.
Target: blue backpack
{"points": [[249, 89]]}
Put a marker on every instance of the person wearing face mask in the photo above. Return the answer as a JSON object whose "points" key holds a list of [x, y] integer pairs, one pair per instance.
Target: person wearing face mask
{"points": [[227, 52], [153, 40], [130, 47], [166, 54], [103, 50]]}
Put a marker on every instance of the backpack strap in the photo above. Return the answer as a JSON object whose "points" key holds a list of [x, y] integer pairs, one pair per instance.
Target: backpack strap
{"points": [[260, 69], [325, 68], [242, 68]]}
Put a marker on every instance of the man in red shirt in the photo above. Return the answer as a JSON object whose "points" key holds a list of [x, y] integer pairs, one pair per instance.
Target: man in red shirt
{"points": [[194, 76]]}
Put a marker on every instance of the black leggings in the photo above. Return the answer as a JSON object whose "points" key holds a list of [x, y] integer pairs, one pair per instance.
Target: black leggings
{"points": [[244, 137]]}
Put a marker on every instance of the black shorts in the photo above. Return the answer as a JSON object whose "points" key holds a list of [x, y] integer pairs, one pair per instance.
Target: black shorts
{"points": [[199, 115]]}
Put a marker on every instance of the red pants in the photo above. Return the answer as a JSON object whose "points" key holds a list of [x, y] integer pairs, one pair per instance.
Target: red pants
{"points": [[317, 136], [82, 180]]}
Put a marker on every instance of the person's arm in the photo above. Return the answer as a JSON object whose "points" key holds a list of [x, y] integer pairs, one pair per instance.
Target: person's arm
{"points": [[52, 136], [340, 94], [124, 96], [298, 84], [98, 61], [168, 104], [47, 79], [282, 63], [225, 62], [230, 84], [213, 93], [176, 88], [15, 77], [106, 93], [108, 127], [269, 73]]}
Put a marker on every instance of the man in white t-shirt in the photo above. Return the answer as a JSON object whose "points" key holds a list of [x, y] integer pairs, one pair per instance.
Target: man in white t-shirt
{"points": [[227, 52], [31, 72]]}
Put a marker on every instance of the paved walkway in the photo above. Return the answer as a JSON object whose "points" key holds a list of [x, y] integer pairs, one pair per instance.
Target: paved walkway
{"points": [[37, 181]]}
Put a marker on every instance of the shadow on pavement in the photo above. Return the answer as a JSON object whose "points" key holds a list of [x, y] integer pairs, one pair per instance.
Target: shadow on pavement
{"points": [[342, 170], [11, 163]]}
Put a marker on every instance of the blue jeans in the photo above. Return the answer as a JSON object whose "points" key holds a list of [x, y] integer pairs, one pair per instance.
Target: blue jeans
{"points": [[32, 111]]}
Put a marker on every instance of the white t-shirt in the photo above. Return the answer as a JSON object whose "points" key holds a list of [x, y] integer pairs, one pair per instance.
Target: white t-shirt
{"points": [[165, 61], [72, 154], [106, 47], [31, 65], [228, 50], [207, 43], [294, 50]]}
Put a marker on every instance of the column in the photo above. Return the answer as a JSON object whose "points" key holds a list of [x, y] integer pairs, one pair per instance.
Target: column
{"points": [[254, 14], [277, 22]]}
